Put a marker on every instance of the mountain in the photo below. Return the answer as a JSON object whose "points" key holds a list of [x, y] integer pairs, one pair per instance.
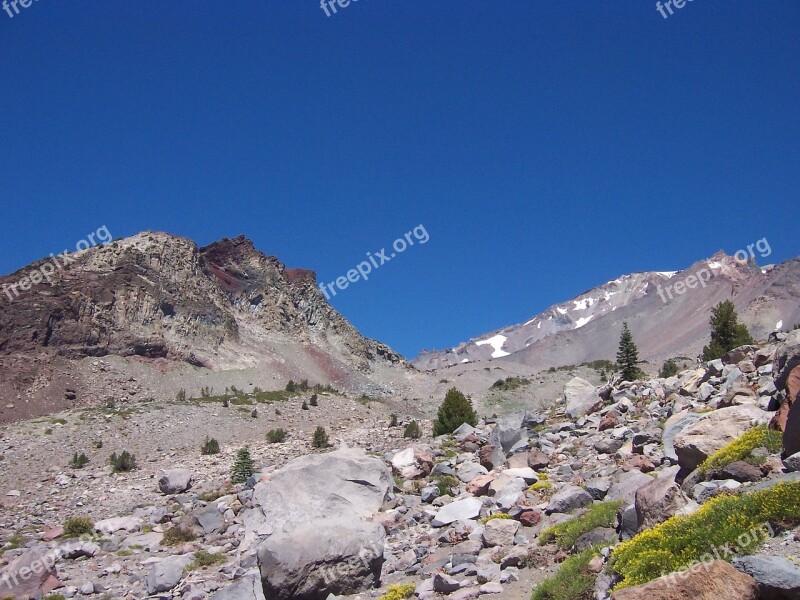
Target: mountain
{"points": [[163, 306], [664, 323]]}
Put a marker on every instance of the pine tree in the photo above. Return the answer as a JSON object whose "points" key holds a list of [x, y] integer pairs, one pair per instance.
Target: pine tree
{"points": [[668, 369], [726, 331], [628, 356], [320, 439], [454, 412], [244, 466]]}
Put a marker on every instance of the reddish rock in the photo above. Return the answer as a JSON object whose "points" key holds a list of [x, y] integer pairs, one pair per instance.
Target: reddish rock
{"points": [[787, 419], [537, 459], [480, 485], [485, 457], [52, 532], [716, 580], [607, 422], [640, 462], [530, 518]]}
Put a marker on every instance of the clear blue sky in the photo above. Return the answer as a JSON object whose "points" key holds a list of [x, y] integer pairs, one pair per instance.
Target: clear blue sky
{"points": [[546, 146]]}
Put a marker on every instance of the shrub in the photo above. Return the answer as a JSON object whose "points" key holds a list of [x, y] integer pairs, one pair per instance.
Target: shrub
{"points": [[210, 446], [177, 535], [313, 401], [320, 439], [291, 386], [303, 385], [180, 396], [202, 558], [454, 412], [393, 422], [682, 540], [97, 444], [446, 484], [726, 331], [78, 461], [500, 515], [78, 526], [412, 430], [276, 436], [123, 463], [510, 383], [304, 406], [565, 534], [54, 597], [668, 369], [572, 581], [398, 591], [741, 448], [243, 467]]}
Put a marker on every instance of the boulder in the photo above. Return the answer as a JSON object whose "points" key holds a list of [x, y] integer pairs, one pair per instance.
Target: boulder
{"points": [[324, 556], [500, 532], [174, 481], [581, 398], [460, 510], [659, 500], [166, 574], [740, 471], [674, 425], [705, 581], [247, 588], [713, 431], [27, 575], [346, 482], [777, 578], [491, 456], [569, 498], [624, 488], [537, 460]]}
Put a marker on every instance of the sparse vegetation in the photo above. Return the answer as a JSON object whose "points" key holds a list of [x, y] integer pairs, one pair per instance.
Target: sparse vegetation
{"points": [[78, 526], [276, 436], [500, 515], [572, 581], [180, 396], [78, 461], [177, 535], [726, 331], [304, 406], [202, 558], [719, 523], [243, 467], [454, 412], [510, 383], [210, 446], [320, 439], [122, 463], [398, 591], [412, 430], [742, 448], [313, 401], [393, 422], [603, 514], [291, 386], [446, 484]]}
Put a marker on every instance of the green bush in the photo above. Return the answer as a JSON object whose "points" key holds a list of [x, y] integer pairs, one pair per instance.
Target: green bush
{"points": [[243, 467], [320, 438], [447, 485], [398, 591], [202, 558], [668, 369], [718, 524], [741, 449], [500, 515], [304, 406], [454, 412], [313, 401], [177, 535], [393, 422], [412, 430], [180, 396], [603, 514], [78, 461], [276, 436], [572, 581], [291, 386], [210, 446], [122, 463], [78, 526]]}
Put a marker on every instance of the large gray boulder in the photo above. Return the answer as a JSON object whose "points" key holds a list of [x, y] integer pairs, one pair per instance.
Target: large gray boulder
{"points": [[25, 576], [569, 498], [321, 557], [715, 430], [659, 500], [625, 486], [460, 510], [581, 398], [174, 481], [777, 578], [247, 588], [674, 425], [345, 483], [165, 575]]}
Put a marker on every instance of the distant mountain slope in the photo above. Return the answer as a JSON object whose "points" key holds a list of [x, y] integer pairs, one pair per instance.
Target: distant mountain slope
{"points": [[587, 327], [159, 299]]}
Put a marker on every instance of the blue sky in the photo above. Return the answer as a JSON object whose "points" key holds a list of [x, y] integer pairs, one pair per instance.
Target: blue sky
{"points": [[545, 146]]}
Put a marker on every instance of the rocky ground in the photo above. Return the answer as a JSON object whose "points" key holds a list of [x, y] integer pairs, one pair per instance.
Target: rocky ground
{"points": [[458, 516]]}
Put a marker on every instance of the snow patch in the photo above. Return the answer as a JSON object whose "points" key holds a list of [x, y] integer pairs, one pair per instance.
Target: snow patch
{"points": [[667, 274], [779, 325], [583, 321], [562, 311], [496, 342], [464, 361], [714, 264], [583, 304]]}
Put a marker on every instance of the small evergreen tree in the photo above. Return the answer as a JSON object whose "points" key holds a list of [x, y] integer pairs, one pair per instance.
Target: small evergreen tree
{"points": [[210, 446], [304, 406], [123, 462], [413, 431], [320, 439], [454, 412], [668, 369], [291, 386], [244, 466], [393, 420], [79, 461], [628, 356], [313, 401], [276, 436], [726, 331]]}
